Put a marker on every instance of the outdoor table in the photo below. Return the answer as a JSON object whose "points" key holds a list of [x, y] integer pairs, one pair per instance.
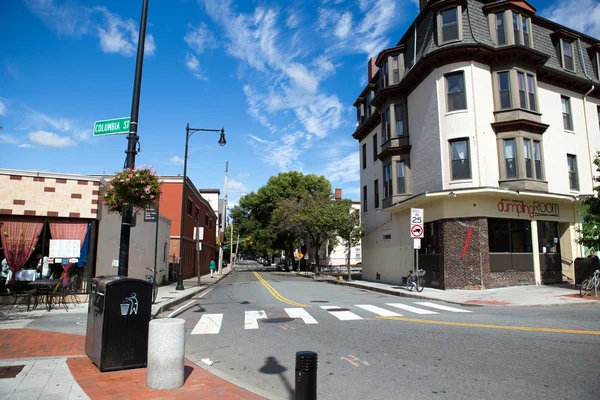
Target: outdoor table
{"points": [[26, 275], [39, 286]]}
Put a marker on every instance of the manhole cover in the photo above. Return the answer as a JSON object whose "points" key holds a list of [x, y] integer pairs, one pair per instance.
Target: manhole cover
{"points": [[319, 301], [10, 372], [277, 320]]}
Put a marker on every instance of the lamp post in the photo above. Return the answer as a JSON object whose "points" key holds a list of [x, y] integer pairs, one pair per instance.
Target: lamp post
{"points": [[188, 133]]}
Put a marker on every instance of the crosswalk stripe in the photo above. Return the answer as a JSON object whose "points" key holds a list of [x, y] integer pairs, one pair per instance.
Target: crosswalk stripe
{"points": [[441, 307], [251, 319], [302, 314], [378, 310], [209, 324], [411, 308], [341, 315]]}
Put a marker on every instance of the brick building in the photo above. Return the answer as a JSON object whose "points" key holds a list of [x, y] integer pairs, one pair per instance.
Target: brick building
{"points": [[485, 115], [198, 212]]}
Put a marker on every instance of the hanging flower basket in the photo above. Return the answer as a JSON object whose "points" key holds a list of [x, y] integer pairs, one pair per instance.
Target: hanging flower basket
{"points": [[137, 187]]}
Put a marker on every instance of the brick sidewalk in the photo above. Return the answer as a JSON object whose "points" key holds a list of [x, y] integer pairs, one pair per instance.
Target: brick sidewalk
{"points": [[29, 343]]}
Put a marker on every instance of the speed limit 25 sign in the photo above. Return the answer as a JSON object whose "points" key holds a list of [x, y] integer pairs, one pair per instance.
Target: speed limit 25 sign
{"points": [[416, 223]]}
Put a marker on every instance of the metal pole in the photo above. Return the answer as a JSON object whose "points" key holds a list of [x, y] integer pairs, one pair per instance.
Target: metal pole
{"points": [[237, 246], [306, 375], [132, 139], [182, 221], [156, 238], [231, 246], [197, 234], [224, 219]]}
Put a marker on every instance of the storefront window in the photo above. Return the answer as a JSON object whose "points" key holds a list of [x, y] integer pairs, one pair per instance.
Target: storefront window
{"points": [[509, 236], [549, 241]]}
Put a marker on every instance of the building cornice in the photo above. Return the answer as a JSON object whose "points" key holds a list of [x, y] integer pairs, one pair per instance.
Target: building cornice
{"points": [[363, 130], [388, 52], [520, 125], [394, 151]]}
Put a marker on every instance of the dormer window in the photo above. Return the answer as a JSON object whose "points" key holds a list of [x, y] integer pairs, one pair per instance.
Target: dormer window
{"points": [[384, 74], [396, 69], [449, 22], [500, 30], [526, 35], [566, 47], [520, 34], [516, 28]]}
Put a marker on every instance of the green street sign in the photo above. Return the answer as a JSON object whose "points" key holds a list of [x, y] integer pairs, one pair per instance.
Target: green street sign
{"points": [[111, 126]]}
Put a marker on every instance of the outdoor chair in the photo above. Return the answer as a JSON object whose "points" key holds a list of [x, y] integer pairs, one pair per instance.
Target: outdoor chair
{"points": [[19, 290]]}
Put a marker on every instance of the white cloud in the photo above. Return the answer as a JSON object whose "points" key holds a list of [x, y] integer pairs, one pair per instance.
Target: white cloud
{"points": [[259, 140], [8, 139], [51, 139], [344, 25], [68, 19], [121, 36], [176, 160], [25, 146], [242, 176], [344, 170], [38, 119], [200, 38], [292, 21], [234, 186], [3, 107], [193, 65], [581, 15], [255, 104]]}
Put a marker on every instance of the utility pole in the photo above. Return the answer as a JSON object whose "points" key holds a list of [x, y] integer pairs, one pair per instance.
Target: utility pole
{"points": [[132, 143], [224, 219], [236, 248]]}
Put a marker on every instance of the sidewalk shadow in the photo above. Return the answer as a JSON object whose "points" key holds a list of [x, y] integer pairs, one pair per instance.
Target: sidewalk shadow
{"points": [[187, 372], [272, 367]]}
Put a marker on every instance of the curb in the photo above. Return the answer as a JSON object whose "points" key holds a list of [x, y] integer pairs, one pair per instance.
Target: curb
{"points": [[173, 302]]}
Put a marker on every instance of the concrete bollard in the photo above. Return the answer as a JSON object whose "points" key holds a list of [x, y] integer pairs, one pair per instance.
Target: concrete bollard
{"points": [[166, 353]]}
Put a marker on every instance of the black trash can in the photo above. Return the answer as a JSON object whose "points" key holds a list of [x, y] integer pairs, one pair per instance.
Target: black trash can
{"points": [[582, 266], [119, 312]]}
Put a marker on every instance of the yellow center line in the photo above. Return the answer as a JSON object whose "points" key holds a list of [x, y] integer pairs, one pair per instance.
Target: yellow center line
{"points": [[276, 294], [489, 326]]}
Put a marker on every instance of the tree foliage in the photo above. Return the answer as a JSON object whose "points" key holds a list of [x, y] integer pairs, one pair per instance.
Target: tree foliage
{"points": [[590, 208]]}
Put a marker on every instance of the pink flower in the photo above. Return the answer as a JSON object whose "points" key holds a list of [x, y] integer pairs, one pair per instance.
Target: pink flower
{"points": [[122, 180], [126, 180], [130, 175], [152, 196]]}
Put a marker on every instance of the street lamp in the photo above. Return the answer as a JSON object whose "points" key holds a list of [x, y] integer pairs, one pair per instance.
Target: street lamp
{"points": [[188, 133]]}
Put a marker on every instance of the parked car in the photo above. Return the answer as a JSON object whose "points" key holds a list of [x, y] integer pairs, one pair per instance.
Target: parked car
{"points": [[282, 267]]}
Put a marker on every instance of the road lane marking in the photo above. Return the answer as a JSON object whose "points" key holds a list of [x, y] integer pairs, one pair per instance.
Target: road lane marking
{"points": [[441, 307], [489, 326], [180, 308], [378, 310], [341, 315], [204, 293], [276, 294], [415, 310], [209, 324], [300, 313], [251, 319]]}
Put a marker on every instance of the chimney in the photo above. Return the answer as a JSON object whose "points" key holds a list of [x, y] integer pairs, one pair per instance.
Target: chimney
{"points": [[373, 68], [422, 4], [338, 194]]}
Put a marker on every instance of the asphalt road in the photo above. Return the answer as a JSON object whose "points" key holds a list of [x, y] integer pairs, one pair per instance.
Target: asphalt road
{"points": [[423, 352]]}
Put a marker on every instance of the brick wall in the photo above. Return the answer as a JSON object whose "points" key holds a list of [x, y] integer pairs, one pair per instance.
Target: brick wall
{"points": [[509, 278], [459, 273]]}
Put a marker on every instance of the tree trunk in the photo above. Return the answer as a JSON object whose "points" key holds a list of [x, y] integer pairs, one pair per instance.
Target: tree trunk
{"points": [[317, 260], [348, 264]]}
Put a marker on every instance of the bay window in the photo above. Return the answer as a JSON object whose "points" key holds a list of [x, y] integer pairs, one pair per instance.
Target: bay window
{"points": [[500, 30], [399, 115], [401, 178], [516, 28], [537, 156], [527, 155], [460, 164], [387, 180], [510, 160], [455, 91], [504, 88]]}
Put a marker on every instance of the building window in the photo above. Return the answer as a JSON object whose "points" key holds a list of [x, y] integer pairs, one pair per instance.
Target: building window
{"points": [[567, 55], [573, 179], [516, 29], [531, 92], [365, 204], [387, 180], [449, 23], [385, 125], [384, 74], [396, 69], [197, 213], [597, 65], [509, 236], [500, 30], [461, 168], [205, 219], [527, 155], [455, 88], [598, 108], [359, 116], [401, 178], [526, 85], [375, 148], [376, 192], [368, 105], [526, 35], [510, 153], [364, 156], [522, 94], [430, 243], [399, 114], [537, 157], [504, 88], [189, 207], [566, 111]]}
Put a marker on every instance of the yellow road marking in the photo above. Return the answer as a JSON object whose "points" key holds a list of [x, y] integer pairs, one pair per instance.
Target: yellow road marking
{"points": [[489, 326], [276, 294]]}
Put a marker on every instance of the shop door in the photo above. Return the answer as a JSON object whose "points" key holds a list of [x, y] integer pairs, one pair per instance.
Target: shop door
{"points": [[549, 247]]}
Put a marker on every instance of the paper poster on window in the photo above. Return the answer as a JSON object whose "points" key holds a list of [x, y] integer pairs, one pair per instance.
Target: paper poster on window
{"points": [[65, 248]]}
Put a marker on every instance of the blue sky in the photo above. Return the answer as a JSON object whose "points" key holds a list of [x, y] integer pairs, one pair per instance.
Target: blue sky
{"points": [[280, 76]]}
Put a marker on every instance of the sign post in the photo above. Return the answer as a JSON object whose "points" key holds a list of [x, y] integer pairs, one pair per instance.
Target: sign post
{"points": [[114, 126], [417, 232]]}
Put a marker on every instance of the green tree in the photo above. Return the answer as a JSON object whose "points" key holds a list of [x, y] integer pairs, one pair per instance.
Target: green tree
{"points": [[590, 208], [349, 228]]}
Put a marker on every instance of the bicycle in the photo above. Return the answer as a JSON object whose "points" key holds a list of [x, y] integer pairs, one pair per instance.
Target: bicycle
{"points": [[415, 280], [590, 285], [150, 278]]}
